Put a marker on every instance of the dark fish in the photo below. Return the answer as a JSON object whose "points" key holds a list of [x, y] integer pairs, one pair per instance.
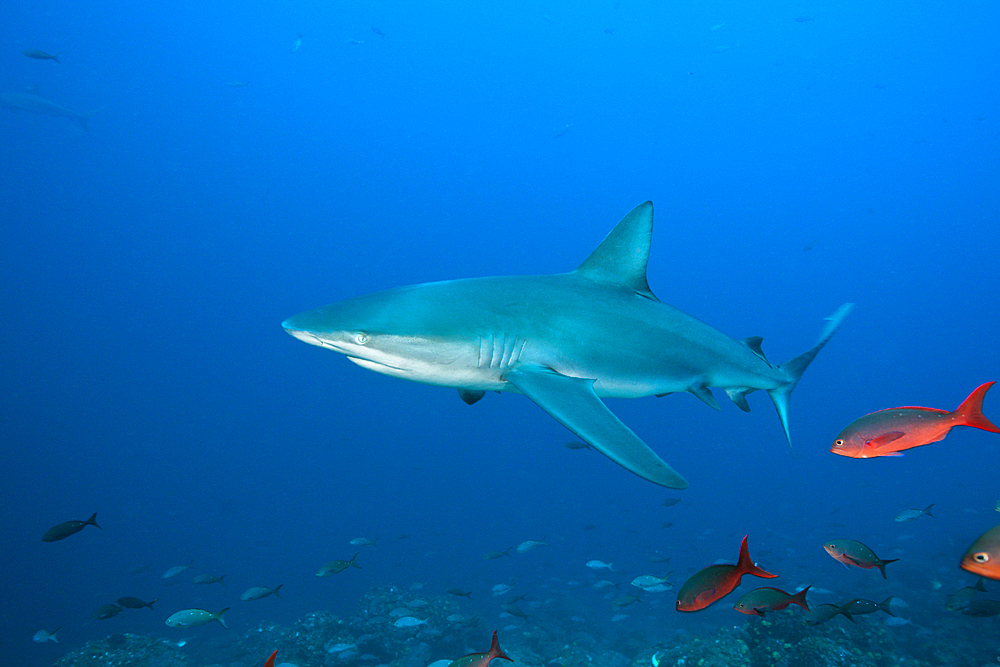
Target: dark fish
{"points": [[851, 552], [209, 579], [983, 557], [803, 19], [963, 596], [40, 55], [862, 606], [982, 608], [576, 444], [493, 555], [335, 566], [824, 613], [670, 502], [458, 592], [482, 659], [378, 32], [134, 603], [107, 611], [624, 600], [717, 581], [513, 610], [764, 599], [64, 530]]}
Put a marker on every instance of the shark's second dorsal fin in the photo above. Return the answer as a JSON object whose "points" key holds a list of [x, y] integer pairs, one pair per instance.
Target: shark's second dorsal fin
{"points": [[621, 258]]}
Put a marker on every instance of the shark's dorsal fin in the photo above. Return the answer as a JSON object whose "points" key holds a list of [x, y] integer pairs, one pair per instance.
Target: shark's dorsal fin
{"points": [[621, 258]]}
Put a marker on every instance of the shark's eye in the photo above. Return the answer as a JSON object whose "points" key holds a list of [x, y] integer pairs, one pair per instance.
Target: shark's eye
{"points": [[360, 339], [981, 557], [838, 443]]}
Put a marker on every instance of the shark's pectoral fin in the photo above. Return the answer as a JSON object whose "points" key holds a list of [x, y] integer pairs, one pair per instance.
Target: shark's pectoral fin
{"points": [[470, 396], [573, 403]]}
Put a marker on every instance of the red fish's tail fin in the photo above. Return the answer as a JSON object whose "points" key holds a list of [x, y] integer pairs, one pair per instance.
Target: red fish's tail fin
{"points": [[746, 566], [270, 661], [800, 598], [496, 651], [970, 412], [882, 563]]}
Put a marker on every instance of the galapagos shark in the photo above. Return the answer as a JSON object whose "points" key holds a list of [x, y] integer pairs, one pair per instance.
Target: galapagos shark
{"points": [[564, 341], [31, 101]]}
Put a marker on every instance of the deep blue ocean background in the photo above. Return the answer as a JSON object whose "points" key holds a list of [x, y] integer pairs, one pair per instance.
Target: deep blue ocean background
{"points": [[799, 155]]}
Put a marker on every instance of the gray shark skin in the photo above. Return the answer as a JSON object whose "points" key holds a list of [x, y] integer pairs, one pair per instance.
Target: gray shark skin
{"points": [[31, 101], [563, 340]]}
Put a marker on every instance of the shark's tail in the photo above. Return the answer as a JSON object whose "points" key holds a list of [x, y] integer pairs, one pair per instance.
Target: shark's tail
{"points": [[84, 117], [794, 368]]}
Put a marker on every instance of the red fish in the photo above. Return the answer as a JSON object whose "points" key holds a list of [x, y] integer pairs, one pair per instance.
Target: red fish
{"points": [[888, 432], [717, 581], [852, 552], [983, 557], [482, 659]]}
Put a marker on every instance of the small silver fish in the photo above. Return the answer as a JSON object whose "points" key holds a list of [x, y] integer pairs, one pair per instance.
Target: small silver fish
{"points": [[528, 545], [258, 592], [409, 622], [910, 515], [599, 565], [176, 569], [364, 542], [43, 636]]}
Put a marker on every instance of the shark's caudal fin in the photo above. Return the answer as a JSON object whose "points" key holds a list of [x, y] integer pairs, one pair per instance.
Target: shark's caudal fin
{"points": [[622, 256], [573, 403], [794, 368]]}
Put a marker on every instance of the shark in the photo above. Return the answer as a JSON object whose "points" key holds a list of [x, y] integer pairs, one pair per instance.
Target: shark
{"points": [[565, 341], [33, 102]]}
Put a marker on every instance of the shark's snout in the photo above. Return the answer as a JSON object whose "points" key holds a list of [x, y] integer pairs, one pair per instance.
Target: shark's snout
{"points": [[303, 335]]}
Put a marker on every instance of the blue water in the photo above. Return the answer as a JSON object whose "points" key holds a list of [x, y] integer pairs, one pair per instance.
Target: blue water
{"points": [[148, 262]]}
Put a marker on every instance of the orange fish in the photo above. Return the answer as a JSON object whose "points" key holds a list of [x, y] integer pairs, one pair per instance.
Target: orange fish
{"points": [[764, 599], [983, 557], [717, 581], [888, 432], [850, 552], [482, 659]]}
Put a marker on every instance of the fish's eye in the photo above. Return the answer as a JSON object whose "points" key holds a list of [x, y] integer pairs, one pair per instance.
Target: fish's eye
{"points": [[838, 443], [360, 339], [981, 557]]}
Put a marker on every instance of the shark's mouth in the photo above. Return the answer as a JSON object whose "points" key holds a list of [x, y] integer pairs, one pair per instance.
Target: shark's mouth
{"points": [[378, 366]]}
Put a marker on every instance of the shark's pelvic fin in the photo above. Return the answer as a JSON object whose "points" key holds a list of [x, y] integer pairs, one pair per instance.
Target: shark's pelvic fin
{"points": [[573, 403], [705, 394], [622, 256], [794, 368]]}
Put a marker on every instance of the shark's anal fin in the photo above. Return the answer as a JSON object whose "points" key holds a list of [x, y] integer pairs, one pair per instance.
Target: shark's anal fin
{"points": [[470, 396], [573, 403]]}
